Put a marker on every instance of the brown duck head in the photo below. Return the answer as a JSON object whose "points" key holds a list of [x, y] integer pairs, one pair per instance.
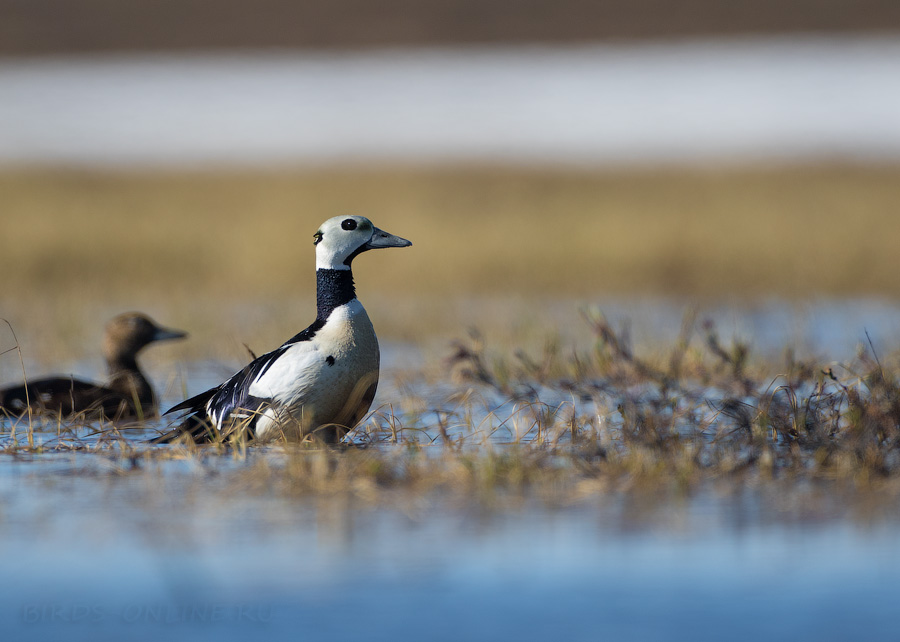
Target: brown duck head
{"points": [[127, 334]]}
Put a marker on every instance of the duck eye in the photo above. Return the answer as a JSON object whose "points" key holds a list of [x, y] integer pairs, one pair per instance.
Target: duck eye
{"points": [[316, 238], [348, 224]]}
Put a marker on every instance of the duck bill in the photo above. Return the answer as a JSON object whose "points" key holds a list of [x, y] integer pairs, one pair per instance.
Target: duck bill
{"points": [[164, 334], [382, 239]]}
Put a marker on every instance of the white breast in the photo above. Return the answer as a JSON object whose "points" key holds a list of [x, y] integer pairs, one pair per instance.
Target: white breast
{"points": [[323, 380]]}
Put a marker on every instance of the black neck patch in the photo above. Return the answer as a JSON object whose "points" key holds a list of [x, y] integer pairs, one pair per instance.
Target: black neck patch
{"points": [[334, 288]]}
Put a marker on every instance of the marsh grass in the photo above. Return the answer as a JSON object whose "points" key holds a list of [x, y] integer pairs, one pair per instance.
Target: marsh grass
{"points": [[513, 411], [233, 250], [228, 255], [504, 428], [784, 230]]}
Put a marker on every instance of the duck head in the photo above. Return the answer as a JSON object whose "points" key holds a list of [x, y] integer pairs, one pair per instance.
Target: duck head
{"points": [[127, 333], [341, 238]]}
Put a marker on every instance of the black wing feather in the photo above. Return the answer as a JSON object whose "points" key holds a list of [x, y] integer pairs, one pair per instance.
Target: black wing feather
{"points": [[235, 393], [307, 334], [195, 403], [232, 394]]}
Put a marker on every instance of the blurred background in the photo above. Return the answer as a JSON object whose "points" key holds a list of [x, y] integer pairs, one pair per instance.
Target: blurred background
{"points": [[176, 157], [646, 158]]}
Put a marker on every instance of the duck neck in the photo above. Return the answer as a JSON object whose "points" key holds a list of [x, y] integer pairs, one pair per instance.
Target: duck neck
{"points": [[127, 379], [121, 363], [334, 288]]}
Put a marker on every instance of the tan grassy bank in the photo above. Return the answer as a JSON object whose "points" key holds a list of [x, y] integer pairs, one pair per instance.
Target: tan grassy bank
{"points": [[233, 249]]}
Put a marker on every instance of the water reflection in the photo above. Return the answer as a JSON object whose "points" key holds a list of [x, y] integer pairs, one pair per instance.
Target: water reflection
{"points": [[161, 549]]}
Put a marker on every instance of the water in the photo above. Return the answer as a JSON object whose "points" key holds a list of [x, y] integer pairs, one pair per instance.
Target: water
{"points": [[827, 330], [94, 552], [767, 99]]}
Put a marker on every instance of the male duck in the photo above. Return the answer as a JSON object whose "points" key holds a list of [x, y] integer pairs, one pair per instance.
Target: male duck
{"points": [[126, 394], [319, 382]]}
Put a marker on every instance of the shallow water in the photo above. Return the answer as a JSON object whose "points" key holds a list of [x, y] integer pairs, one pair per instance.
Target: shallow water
{"points": [[92, 550], [826, 329], [829, 333]]}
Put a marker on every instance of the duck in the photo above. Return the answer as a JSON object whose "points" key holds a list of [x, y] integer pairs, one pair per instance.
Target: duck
{"points": [[320, 383], [126, 394]]}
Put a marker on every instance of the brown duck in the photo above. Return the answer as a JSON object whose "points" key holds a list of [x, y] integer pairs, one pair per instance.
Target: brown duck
{"points": [[126, 394]]}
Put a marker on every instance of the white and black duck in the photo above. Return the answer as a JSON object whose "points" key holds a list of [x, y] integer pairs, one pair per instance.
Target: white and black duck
{"points": [[321, 381]]}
